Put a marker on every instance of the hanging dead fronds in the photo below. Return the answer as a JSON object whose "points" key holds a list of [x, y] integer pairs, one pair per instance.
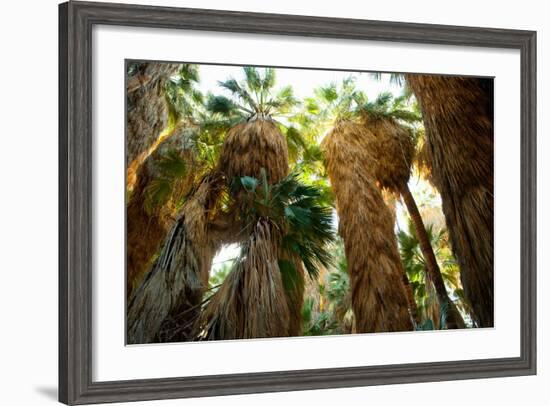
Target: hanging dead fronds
{"points": [[252, 145], [390, 147], [458, 117], [378, 295], [163, 179], [172, 292], [251, 303]]}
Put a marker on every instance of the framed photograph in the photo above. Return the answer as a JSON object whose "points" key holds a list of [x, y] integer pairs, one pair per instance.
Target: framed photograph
{"points": [[259, 202]]}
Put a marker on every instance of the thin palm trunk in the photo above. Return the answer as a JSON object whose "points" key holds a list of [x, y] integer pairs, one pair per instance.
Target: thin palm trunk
{"points": [[454, 319], [413, 308]]}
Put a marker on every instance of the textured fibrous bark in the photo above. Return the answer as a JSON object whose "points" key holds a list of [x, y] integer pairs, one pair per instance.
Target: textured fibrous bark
{"points": [[458, 117], [391, 149], [146, 228], [251, 303], [390, 198], [147, 107], [379, 299], [250, 147], [254, 145], [175, 286]]}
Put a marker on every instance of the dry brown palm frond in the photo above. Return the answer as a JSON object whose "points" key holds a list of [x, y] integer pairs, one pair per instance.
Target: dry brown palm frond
{"points": [[390, 148], [177, 281], [379, 299], [422, 159], [251, 302], [390, 198], [457, 114], [252, 145]]}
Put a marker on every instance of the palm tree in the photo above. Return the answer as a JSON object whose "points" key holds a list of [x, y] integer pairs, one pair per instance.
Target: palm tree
{"points": [[215, 212], [379, 299], [285, 220], [458, 117], [429, 308], [378, 295], [161, 180], [167, 301], [258, 142], [172, 165], [391, 147]]}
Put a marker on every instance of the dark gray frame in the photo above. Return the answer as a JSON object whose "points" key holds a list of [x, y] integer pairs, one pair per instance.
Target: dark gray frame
{"points": [[75, 208]]}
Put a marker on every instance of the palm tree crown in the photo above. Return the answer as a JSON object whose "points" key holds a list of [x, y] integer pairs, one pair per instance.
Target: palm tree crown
{"points": [[253, 96]]}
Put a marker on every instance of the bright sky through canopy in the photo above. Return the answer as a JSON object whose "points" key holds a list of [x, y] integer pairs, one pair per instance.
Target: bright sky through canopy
{"points": [[303, 81]]}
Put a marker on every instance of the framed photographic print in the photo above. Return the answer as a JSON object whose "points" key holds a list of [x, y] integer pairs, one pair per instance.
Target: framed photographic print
{"points": [[259, 202]]}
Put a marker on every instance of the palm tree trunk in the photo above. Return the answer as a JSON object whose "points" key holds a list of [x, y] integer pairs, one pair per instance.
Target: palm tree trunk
{"points": [[378, 295], [454, 319], [251, 302], [410, 298], [295, 294], [458, 117], [148, 109], [390, 200], [170, 295]]}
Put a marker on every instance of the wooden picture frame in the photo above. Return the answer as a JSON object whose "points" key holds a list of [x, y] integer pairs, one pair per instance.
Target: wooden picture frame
{"points": [[76, 20]]}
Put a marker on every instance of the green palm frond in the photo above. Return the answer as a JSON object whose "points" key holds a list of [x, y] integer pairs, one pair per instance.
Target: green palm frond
{"points": [[413, 261], [181, 92], [295, 142], [171, 168], [223, 106], [268, 82], [283, 102], [327, 94], [172, 165], [241, 92], [396, 79], [289, 275], [157, 193], [331, 103], [253, 79], [297, 209], [256, 94], [386, 106]]}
